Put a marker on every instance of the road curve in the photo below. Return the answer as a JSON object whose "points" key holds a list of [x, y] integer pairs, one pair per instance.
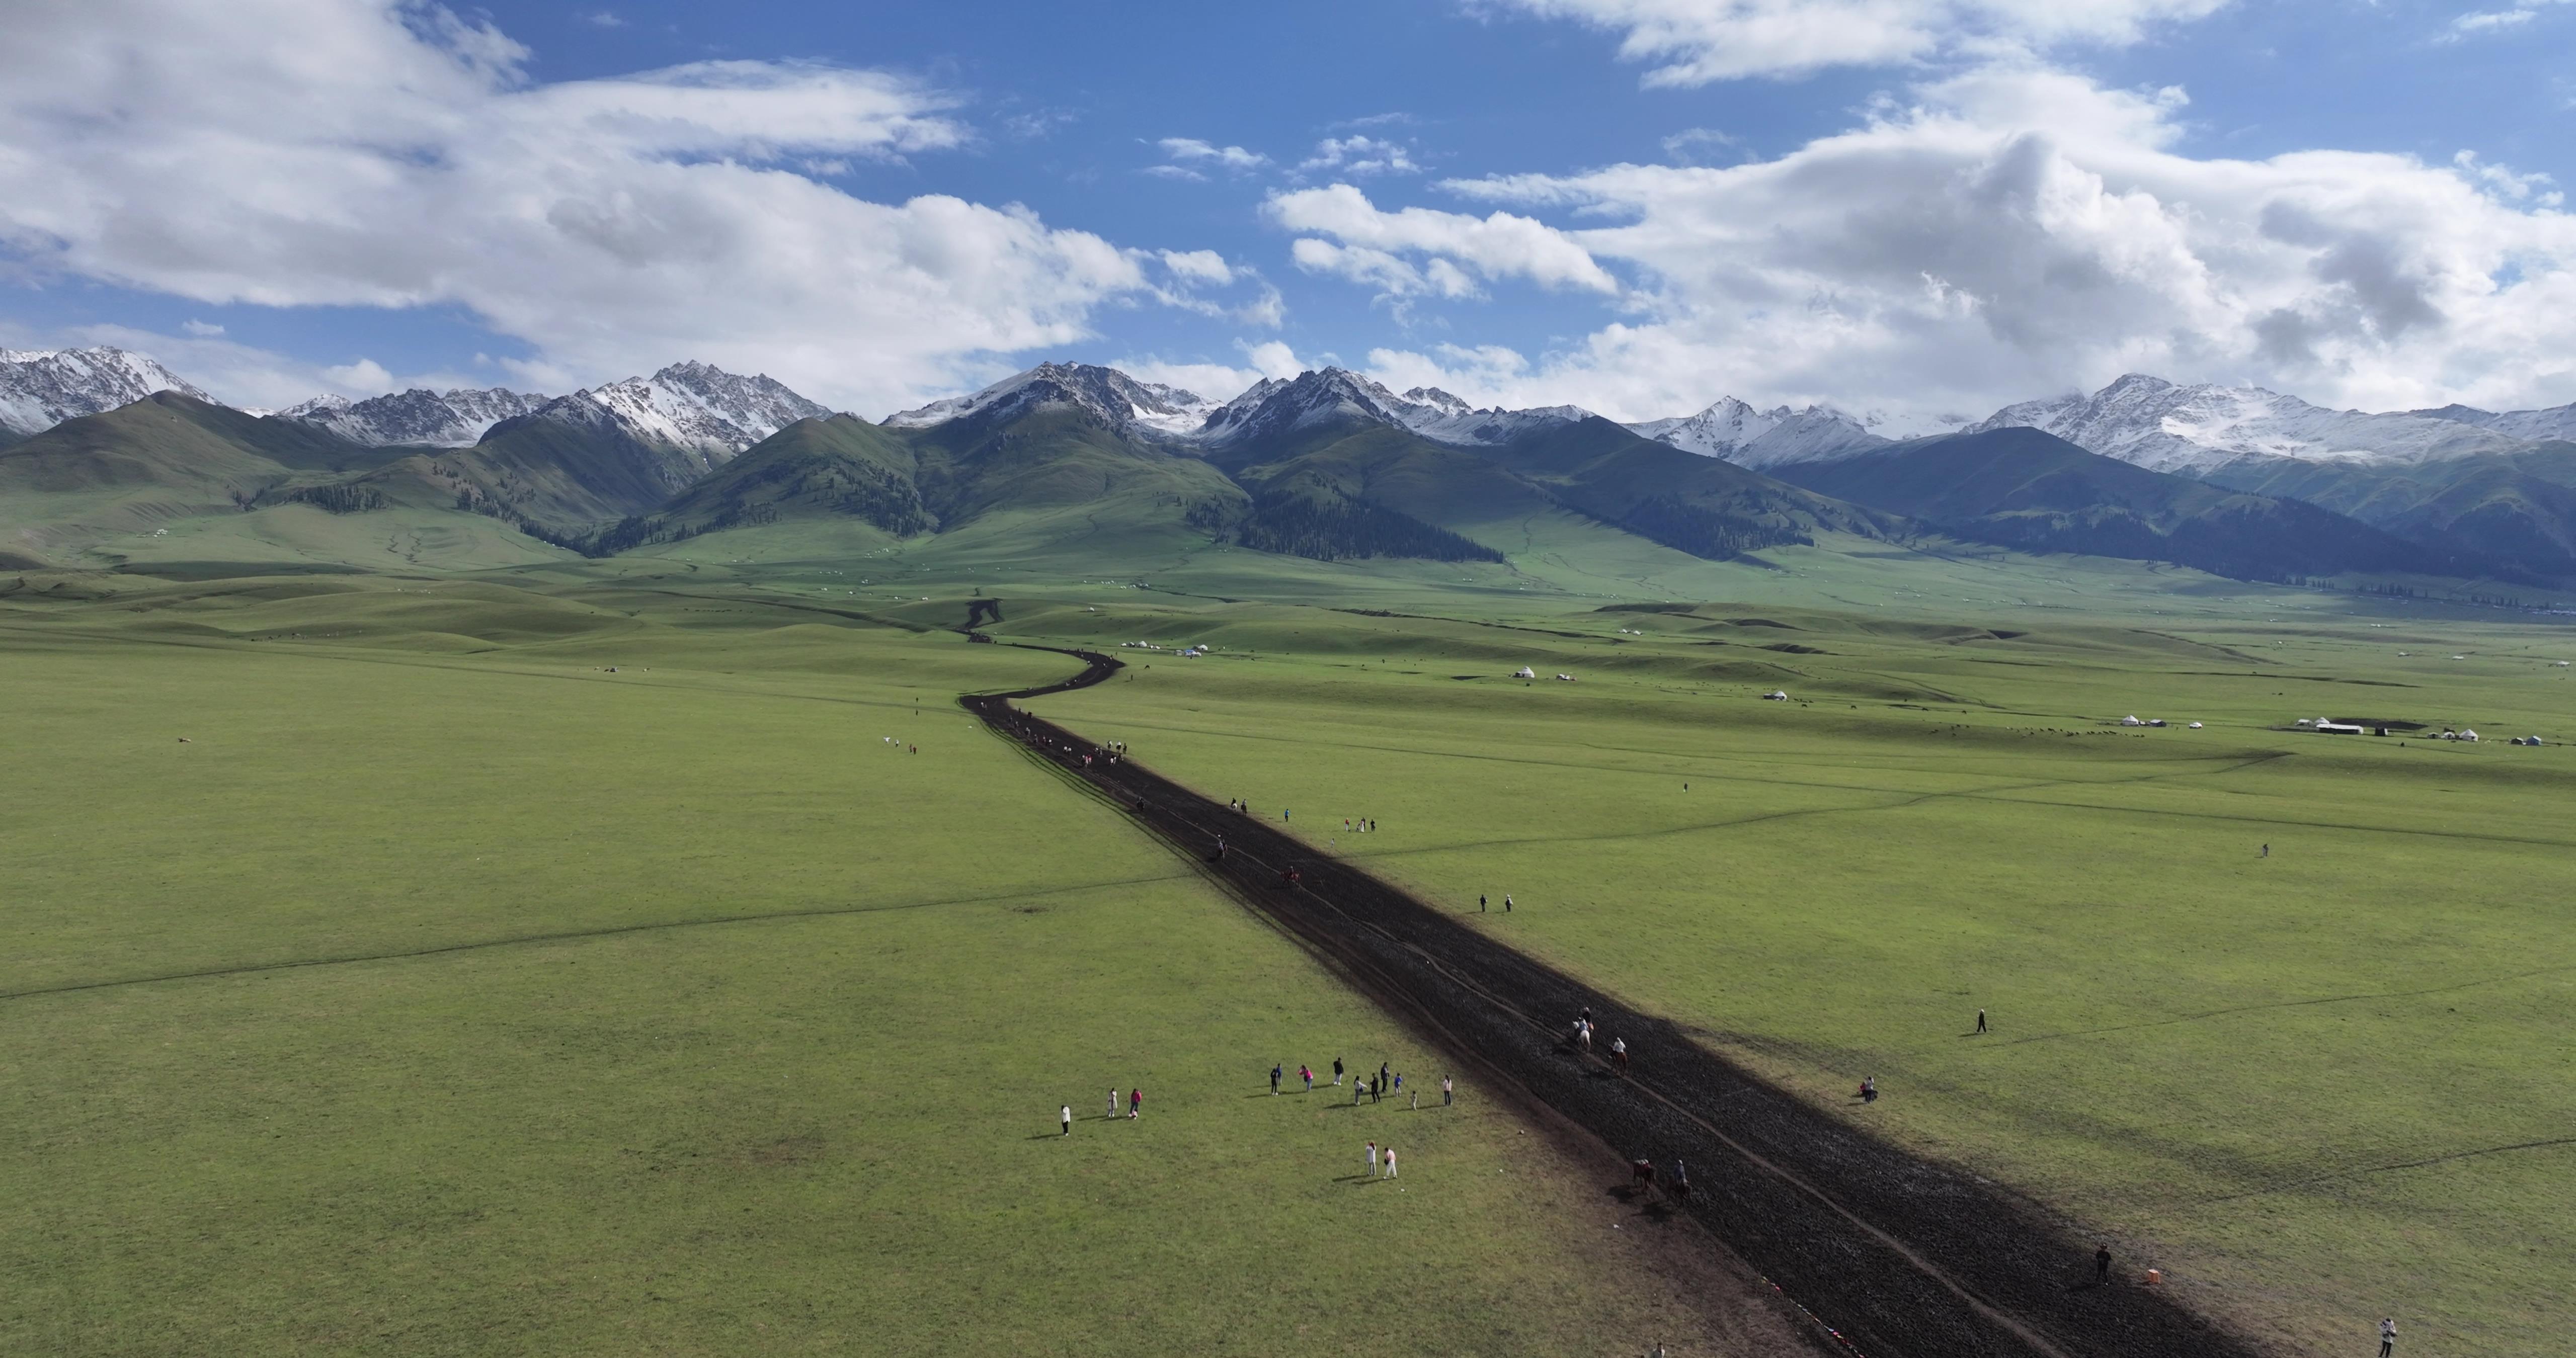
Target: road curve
{"points": [[1899, 1256]]}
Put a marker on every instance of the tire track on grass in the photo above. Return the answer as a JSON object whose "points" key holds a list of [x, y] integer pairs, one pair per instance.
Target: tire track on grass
{"points": [[575, 935], [2283, 1004]]}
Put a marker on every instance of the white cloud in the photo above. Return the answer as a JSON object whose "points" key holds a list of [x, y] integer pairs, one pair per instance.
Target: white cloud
{"points": [[394, 155], [1359, 157], [364, 375], [1219, 381], [1391, 276], [1373, 244], [601, 18], [1695, 141], [1700, 41], [2016, 231], [1191, 149], [202, 329], [1198, 266], [2477, 23]]}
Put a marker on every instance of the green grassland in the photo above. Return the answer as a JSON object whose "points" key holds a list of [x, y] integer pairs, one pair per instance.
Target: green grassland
{"points": [[2315, 1088], [673, 1008], [385, 974]]}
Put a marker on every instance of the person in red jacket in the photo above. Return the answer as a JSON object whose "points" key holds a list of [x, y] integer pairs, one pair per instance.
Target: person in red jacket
{"points": [[1135, 1102]]}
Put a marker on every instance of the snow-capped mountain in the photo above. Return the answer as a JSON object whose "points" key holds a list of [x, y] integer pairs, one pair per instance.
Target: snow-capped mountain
{"points": [[1112, 396], [1278, 405], [2556, 422], [692, 406], [1747, 437], [41, 388], [2193, 429], [454, 419]]}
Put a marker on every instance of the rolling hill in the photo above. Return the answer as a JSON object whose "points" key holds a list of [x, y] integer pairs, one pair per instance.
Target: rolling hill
{"points": [[2028, 489]]}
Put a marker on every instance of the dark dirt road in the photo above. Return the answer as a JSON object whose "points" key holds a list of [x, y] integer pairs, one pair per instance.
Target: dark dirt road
{"points": [[1903, 1258]]}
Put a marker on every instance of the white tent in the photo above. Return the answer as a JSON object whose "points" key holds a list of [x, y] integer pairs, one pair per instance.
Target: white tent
{"points": [[2131, 720], [1525, 672], [2468, 735], [1775, 696]]}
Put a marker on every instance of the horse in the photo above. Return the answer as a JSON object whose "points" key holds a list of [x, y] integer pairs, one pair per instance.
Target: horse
{"points": [[1641, 1175]]}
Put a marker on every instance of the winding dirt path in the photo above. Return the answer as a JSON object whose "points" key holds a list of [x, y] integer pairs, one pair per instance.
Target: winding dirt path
{"points": [[1898, 1256]]}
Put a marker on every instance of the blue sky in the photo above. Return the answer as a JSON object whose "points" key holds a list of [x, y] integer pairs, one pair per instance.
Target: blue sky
{"points": [[1922, 209]]}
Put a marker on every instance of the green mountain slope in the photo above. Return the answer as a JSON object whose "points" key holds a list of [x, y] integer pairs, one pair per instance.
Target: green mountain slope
{"points": [[556, 478], [1701, 505], [146, 468], [2034, 491], [834, 469], [1055, 456], [2515, 508]]}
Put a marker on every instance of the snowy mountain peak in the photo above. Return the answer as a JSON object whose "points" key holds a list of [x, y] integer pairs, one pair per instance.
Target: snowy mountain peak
{"points": [[1439, 400], [696, 407], [2191, 429], [1737, 432], [41, 388], [1111, 396], [455, 419], [2556, 422], [1275, 405]]}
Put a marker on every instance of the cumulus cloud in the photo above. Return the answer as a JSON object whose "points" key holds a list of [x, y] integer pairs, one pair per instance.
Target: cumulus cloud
{"points": [[1696, 42], [395, 155], [2016, 231], [1360, 156], [1370, 245]]}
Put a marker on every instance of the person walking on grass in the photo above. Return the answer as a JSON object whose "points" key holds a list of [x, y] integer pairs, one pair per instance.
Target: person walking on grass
{"points": [[1357, 1089], [1372, 1150], [1480, 904], [1337, 1072], [1507, 902], [1417, 1099], [1274, 1080], [1068, 1119], [1306, 1073], [2387, 1325], [1390, 1162], [1446, 1092], [1113, 1101], [2267, 851], [2102, 1266], [1135, 1103], [1981, 1020]]}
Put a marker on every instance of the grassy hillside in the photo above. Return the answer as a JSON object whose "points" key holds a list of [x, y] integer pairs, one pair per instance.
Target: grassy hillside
{"points": [[823, 472], [152, 466], [444, 991], [2031, 490], [2519, 508], [1700, 505]]}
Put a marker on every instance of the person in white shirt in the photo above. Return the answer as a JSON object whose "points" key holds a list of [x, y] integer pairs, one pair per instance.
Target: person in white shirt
{"points": [[1390, 1162], [2387, 1337], [1068, 1119]]}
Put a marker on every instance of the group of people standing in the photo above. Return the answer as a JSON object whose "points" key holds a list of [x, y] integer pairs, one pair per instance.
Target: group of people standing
{"points": [[1135, 1107]]}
